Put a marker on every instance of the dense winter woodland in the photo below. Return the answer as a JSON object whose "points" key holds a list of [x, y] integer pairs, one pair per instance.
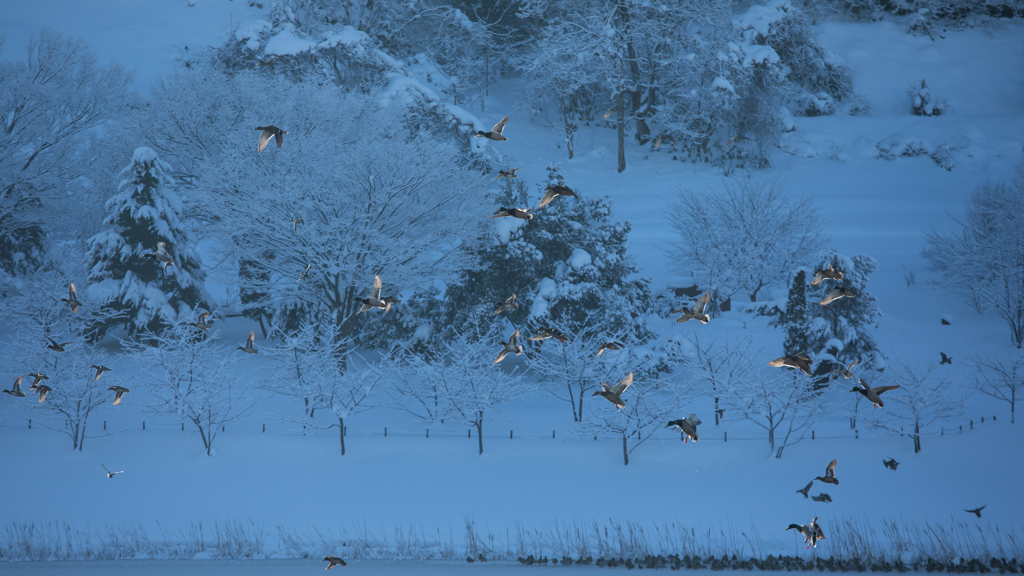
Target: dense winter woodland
{"points": [[271, 285]]}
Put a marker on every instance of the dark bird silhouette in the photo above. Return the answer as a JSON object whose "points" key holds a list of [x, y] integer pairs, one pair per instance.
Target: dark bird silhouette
{"points": [[111, 474], [697, 313], [334, 561], [119, 392], [268, 133], [827, 272], [822, 498], [873, 394], [512, 346], [609, 346], [805, 488], [891, 464], [510, 173], [945, 359], [976, 511], [494, 133], [552, 192], [99, 371], [545, 333], [944, 322], [508, 304], [842, 292], [72, 299], [43, 389], [266, 62], [388, 301], [15, 389], [614, 393], [830, 474], [687, 426], [250, 344], [800, 362], [812, 532], [521, 213], [57, 347]]}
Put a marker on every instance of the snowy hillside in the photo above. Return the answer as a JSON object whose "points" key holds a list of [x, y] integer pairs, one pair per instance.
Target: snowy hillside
{"points": [[446, 452]]}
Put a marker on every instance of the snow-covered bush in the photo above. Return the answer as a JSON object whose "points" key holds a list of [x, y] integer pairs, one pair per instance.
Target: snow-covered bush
{"points": [[744, 238], [144, 218], [981, 258], [922, 103]]}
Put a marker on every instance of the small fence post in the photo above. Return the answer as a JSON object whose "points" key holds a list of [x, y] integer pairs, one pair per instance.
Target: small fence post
{"points": [[385, 431], [552, 434], [223, 428], [30, 424], [428, 432], [972, 424], [183, 426], [143, 424], [726, 435], [104, 425], [812, 434], [509, 434], [942, 431], [856, 434], [264, 427]]}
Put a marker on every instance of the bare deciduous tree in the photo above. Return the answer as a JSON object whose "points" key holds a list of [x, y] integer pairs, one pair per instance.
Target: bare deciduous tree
{"points": [[999, 379], [192, 376], [743, 238], [785, 406], [982, 259]]}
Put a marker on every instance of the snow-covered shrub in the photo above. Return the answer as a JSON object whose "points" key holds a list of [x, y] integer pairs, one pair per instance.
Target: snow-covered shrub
{"points": [[981, 258], [922, 103], [743, 239], [898, 145], [145, 217]]}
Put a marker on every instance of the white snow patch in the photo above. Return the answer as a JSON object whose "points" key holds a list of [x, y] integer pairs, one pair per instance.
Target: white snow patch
{"points": [[347, 36], [723, 84], [546, 288], [579, 258], [423, 332], [286, 43], [251, 31]]}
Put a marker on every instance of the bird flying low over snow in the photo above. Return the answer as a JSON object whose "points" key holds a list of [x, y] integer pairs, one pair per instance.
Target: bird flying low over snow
{"points": [[805, 489], [111, 474], [843, 292], [57, 347], [830, 474], [697, 313], [72, 299], [873, 394], [609, 346], [161, 255], [494, 133], [250, 344], [812, 532], [15, 389], [846, 371], [688, 426], [372, 300], [99, 371], [510, 173], [268, 133], [614, 393], [334, 561], [976, 511], [521, 213], [545, 333], [508, 304], [37, 378], [511, 347], [201, 324], [552, 192], [119, 392]]}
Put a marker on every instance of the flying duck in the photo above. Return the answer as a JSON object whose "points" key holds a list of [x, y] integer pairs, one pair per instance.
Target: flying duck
{"points": [[976, 511], [805, 489], [268, 133], [250, 347], [495, 133], [118, 393], [109, 473], [846, 371], [99, 371], [812, 532], [688, 426], [72, 299], [510, 173], [891, 464], [697, 313], [521, 213], [43, 389], [945, 359], [37, 379], [822, 497], [827, 272], [15, 389], [372, 300], [512, 346], [842, 292], [545, 333], [57, 347], [508, 304], [799, 361], [614, 393], [201, 324], [552, 192], [334, 561], [830, 474], [873, 394], [161, 254], [388, 301], [609, 346]]}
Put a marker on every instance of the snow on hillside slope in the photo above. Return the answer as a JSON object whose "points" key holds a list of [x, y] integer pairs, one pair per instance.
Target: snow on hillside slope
{"points": [[873, 206]]}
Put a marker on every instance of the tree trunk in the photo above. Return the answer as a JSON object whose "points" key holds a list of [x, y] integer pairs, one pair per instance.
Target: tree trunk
{"points": [[718, 412], [341, 426], [622, 132], [480, 432], [573, 400], [581, 404], [760, 284], [1013, 404], [625, 453], [917, 437], [778, 454], [81, 436], [643, 132]]}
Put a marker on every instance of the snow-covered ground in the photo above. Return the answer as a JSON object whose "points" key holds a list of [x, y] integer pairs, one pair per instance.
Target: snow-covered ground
{"points": [[282, 478]]}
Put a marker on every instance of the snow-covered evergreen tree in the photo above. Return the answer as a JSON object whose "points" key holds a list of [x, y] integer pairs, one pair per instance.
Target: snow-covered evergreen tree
{"points": [[567, 263], [840, 332], [796, 319], [123, 276]]}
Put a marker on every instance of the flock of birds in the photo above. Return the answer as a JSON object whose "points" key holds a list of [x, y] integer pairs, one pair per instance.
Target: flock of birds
{"points": [[811, 531]]}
